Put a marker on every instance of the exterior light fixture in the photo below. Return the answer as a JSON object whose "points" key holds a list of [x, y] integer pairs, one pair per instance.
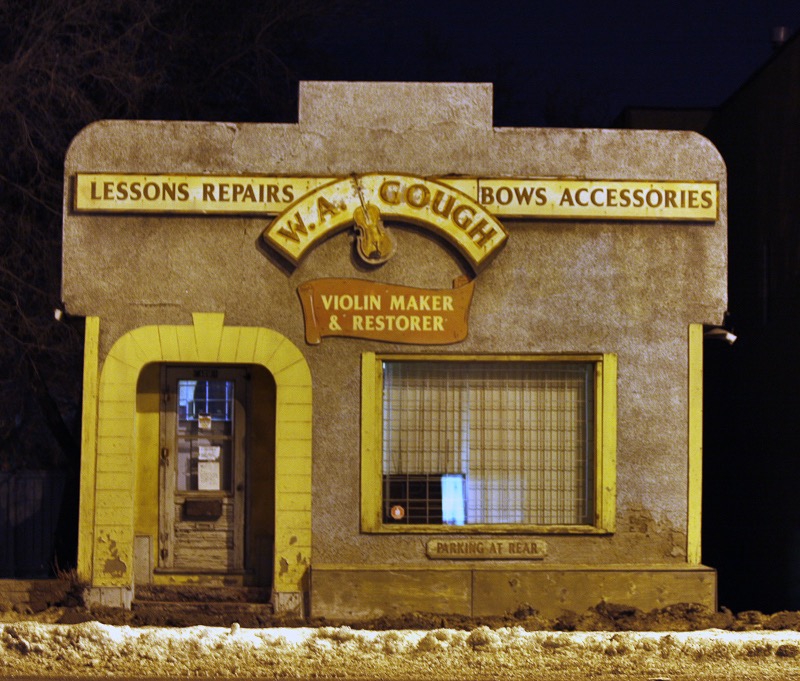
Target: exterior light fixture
{"points": [[719, 333]]}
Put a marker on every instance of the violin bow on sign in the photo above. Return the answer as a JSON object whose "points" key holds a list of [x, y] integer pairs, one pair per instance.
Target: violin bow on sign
{"points": [[375, 246]]}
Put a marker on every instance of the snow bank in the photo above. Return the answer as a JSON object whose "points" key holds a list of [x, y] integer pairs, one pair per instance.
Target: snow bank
{"points": [[94, 649]]}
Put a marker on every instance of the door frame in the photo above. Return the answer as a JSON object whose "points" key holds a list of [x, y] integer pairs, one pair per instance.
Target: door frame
{"points": [[238, 493], [112, 453]]}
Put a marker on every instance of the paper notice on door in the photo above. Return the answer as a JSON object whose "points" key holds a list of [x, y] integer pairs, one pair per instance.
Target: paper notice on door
{"points": [[208, 475], [208, 453], [204, 421]]}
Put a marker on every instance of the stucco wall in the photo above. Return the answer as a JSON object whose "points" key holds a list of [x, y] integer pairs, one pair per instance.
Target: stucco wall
{"points": [[581, 287]]}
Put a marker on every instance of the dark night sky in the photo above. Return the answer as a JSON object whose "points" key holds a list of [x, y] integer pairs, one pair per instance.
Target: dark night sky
{"points": [[592, 56]]}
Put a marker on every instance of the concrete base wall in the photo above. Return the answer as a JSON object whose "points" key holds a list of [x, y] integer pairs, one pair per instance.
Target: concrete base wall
{"points": [[109, 597], [288, 603], [35, 594], [351, 594]]}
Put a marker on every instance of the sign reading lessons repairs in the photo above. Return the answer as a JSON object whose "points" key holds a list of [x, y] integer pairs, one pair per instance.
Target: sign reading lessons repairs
{"points": [[552, 198]]}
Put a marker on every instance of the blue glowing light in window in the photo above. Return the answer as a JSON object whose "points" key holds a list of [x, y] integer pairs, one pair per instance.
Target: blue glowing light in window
{"points": [[453, 499]]}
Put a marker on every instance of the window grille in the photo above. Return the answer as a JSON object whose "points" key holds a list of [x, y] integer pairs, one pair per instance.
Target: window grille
{"points": [[488, 442]]}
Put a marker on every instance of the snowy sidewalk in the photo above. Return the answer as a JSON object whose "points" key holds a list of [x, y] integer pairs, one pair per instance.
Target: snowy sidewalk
{"points": [[94, 649]]}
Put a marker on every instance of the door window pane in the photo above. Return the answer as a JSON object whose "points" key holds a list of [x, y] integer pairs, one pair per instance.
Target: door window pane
{"points": [[205, 434]]}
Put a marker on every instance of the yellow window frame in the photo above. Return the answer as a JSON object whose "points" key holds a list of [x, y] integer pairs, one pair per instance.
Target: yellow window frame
{"points": [[605, 453]]}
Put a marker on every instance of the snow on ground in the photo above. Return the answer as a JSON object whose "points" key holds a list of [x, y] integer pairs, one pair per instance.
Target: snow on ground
{"points": [[94, 649]]}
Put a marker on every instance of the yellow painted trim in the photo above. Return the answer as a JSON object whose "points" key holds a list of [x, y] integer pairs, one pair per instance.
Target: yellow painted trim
{"points": [[91, 345], [605, 457], [371, 380], [606, 420], [207, 340], [494, 528], [695, 463], [444, 357], [197, 579]]}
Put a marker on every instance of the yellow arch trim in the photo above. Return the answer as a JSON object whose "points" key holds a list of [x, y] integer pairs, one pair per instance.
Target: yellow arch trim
{"points": [[207, 340]]}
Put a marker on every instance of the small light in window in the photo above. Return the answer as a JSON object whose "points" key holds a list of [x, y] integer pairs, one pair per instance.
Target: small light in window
{"points": [[398, 512], [453, 499]]}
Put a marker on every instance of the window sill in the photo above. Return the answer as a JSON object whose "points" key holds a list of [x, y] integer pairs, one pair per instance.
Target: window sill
{"points": [[498, 529]]}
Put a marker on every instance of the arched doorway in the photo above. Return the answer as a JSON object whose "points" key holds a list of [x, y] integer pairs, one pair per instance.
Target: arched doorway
{"points": [[112, 473]]}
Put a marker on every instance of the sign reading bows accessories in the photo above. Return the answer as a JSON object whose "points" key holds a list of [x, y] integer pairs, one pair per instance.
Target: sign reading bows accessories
{"points": [[401, 314]]}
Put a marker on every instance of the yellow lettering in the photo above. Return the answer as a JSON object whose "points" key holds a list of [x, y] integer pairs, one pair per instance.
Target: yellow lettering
{"points": [[325, 208], [291, 231], [389, 191], [462, 216]]}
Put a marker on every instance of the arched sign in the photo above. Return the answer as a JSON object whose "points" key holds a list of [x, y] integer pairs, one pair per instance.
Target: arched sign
{"points": [[366, 199]]}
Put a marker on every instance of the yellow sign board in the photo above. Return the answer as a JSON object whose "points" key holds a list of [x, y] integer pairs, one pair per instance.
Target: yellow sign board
{"points": [[474, 231], [226, 194], [599, 199], [541, 198]]}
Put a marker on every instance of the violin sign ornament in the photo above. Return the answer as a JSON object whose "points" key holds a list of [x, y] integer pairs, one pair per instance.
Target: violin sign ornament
{"points": [[367, 200]]}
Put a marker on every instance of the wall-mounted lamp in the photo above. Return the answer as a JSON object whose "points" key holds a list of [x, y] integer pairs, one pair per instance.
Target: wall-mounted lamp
{"points": [[719, 333]]}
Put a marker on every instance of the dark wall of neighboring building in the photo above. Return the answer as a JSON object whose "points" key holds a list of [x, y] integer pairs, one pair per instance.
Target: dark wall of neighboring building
{"points": [[751, 516], [753, 424]]}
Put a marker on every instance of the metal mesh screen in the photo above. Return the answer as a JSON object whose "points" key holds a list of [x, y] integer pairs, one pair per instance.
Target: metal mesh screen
{"points": [[519, 433]]}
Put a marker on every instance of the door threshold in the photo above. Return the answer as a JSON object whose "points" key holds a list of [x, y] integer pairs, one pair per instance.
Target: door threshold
{"points": [[190, 572]]}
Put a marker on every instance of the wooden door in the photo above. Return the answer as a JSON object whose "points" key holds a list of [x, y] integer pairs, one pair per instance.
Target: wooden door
{"points": [[202, 490]]}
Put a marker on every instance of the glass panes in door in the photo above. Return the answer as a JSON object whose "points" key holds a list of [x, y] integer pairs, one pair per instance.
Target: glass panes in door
{"points": [[205, 427]]}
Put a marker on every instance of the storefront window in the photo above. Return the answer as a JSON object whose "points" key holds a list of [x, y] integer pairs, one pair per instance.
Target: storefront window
{"points": [[489, 443]]}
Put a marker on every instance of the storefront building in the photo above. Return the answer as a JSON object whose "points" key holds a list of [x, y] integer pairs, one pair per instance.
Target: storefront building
{"points": [[392, 358]]}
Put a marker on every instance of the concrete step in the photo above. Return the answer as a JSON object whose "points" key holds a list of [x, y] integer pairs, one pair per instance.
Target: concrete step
{"points": [[202, 594], [215, 607], [211, 613]]}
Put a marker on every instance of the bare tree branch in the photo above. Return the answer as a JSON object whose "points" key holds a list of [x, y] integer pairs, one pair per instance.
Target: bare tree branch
{"points": [[63, 65]]}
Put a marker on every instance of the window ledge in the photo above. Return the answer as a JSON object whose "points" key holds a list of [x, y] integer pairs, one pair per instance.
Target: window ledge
{"points": [[504, 529]]}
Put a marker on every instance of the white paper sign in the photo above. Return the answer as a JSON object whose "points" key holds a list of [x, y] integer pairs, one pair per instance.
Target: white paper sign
{"points": [[208, 453], [208, 475]]}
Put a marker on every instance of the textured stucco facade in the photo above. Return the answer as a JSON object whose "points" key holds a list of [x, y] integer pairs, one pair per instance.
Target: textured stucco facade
{"points": [[631, 288]]}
